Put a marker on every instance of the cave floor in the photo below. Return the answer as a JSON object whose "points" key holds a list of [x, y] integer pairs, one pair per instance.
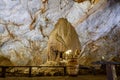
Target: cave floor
{"points": [[80, 77]]}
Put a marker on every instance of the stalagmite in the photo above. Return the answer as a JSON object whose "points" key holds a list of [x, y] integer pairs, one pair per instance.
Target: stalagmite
{"points": [[62, 38]]}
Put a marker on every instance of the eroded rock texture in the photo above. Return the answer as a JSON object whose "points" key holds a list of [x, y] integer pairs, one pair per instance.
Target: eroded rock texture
{"points": [[62, 38], [100, 37], [25, 26]]}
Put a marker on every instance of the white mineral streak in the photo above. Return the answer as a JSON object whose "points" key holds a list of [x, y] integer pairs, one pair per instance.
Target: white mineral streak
{"points": [[97, 25]]}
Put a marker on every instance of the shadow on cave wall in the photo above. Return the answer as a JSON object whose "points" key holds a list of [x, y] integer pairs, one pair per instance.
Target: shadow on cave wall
{"points": [[113, 2], [5, 62]]}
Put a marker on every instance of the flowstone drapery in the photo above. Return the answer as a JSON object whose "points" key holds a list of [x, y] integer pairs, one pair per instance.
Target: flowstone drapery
{"points": [[62, 38]]}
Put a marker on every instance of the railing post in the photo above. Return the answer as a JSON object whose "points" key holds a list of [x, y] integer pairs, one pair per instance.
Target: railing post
{"points": [[111, 72], [30, 71], [65, 70], [93, 70], [3, 71]]}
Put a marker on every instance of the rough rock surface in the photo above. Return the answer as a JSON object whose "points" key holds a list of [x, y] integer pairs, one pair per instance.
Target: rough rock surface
{"points": [[25, 26], [62, 38]]}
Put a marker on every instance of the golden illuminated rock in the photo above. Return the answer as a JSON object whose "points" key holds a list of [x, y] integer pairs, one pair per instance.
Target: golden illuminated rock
{"points": [[62, 38], [94, 1]]}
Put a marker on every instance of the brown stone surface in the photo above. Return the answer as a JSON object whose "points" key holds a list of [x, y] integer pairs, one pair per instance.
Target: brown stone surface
{"points": [[5, 61], [79, 1]]}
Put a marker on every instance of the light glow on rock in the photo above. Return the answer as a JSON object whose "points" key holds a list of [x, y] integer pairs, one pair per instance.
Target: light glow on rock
{"points": [[68, 52]]}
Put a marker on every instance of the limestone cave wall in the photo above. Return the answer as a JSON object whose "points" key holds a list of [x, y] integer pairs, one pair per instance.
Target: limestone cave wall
{"points": [[25, 26]]}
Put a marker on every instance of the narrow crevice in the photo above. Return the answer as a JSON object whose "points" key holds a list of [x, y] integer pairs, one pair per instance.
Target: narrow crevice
{"points": [[41, 30], [10, 33]]}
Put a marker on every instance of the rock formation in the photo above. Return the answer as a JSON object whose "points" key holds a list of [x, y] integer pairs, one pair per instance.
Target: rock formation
{"points": [[25, 27], [62, 38]]}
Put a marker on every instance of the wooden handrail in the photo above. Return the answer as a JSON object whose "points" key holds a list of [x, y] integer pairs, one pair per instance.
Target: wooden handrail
{"points": [[110, 68], [3, 71]]}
